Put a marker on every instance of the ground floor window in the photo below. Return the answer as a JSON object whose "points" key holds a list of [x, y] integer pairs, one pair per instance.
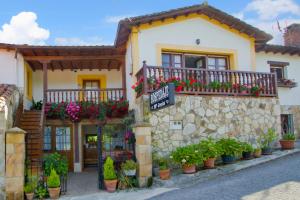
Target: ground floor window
{"points": [[287, 125]]}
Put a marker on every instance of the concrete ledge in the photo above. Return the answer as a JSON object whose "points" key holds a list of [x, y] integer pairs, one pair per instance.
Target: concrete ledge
{"points": [[186, 180]]}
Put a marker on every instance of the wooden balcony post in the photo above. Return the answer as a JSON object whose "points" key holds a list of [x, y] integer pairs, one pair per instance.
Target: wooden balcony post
{"points": [[145, 77], [124, 80], [45, 80]]}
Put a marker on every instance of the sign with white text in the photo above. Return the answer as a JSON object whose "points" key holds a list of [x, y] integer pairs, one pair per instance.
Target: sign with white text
{"points": [[162, 97]]}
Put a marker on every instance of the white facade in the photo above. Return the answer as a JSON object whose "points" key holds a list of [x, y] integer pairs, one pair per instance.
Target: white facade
{"points": [[183, 35], [11, 68], [287, 96]]}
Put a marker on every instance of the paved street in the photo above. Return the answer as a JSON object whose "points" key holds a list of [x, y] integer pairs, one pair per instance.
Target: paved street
{"points": [[276, 180]]}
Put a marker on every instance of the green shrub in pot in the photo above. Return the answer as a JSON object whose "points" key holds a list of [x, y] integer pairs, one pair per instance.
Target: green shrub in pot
{"points": [[229, 149], [247, 150], [53, 183], [266, 140], [210, 150], [188, 157], [288, 141], [129, 168]]}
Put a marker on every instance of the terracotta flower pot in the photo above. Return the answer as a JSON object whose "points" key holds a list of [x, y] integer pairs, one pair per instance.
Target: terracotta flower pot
{"points": [[54, 193], [110, 185], [164, 174], [189, 169], [287, 144], [257, 153], [29, 196], [209, 163]]}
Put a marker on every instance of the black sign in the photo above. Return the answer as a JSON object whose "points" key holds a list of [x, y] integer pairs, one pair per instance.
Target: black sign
{"points": [[162, 97]]}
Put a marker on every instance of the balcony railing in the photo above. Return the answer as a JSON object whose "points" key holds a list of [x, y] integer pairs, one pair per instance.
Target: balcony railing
{"points": [[208, 82], [75, 95]]}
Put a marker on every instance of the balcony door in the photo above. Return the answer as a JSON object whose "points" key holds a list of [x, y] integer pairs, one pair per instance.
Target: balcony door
{"points": [[91, 86]]}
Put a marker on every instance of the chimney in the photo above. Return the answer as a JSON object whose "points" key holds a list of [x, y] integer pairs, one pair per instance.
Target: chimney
{"points": [[292, 35]]}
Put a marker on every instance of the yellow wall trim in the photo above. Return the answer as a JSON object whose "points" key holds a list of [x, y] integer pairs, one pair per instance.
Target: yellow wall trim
{"points": [[28, 81], [82, 77], [191, 16], [197, 50], [135, 50]]}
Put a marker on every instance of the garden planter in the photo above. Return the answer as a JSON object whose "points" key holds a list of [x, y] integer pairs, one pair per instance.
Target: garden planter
{"points": [[266, 151], [54, 193], [227, 159], [164, 174], [209, 163], [130, 172], [110, 185], [29, 196], [247, 155], [287, 144], [189, 169], [257, 153]]}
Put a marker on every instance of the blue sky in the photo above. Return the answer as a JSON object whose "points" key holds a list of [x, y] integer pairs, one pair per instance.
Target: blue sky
{"points": [[66, 22]]}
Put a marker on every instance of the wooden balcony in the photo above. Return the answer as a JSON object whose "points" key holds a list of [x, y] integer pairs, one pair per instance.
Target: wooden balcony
{"points": [[75, 95], [208, 82]]}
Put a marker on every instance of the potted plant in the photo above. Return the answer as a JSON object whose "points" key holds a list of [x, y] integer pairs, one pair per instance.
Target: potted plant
{"points": [[257, 152], [29, 189], [187, 157], [210, 151], [41, 191], [129, 168], [229, 148], [53, 183], [288, 141], [247, 150], [57, 162], [266, 141], [164, 170], [110, 177]]}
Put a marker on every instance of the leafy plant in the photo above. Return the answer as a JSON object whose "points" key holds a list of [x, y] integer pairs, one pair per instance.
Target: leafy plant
{"points": [[209, 148], [127, 182], [128, 165], [266, 139], [229, 147], [215, 85], [41, 191], [57, 162], [188, 155], [289, 136], [53, 180], [163, 164], [109, 170], [255, 90], [31, 185], [36, 105], [246, 147]]}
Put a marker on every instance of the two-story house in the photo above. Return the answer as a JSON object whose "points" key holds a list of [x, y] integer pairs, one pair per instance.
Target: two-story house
{"points": [[229, 82]]}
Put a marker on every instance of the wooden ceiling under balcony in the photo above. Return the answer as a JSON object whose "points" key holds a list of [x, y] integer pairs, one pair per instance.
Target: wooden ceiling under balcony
{"points": [[73, 57]]}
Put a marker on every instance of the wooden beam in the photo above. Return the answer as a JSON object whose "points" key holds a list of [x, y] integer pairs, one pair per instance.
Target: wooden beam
{"points": [[45, 80], [61, 58]]}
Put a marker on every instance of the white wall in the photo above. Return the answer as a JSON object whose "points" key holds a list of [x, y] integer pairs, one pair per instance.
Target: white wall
{"points": [[186, 32], [129, 76], [287, 96], [68, 80], [11, 68]]}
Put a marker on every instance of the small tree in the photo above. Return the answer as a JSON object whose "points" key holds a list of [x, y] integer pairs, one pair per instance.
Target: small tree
{"points": [[109, 170], [53, 180]]}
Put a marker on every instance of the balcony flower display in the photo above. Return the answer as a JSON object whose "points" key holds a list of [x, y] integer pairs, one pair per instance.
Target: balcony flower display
{"points": [[72, 110], [117, 108], [287, 83]]}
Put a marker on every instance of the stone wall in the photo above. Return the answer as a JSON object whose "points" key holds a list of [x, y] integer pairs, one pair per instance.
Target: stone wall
{"points": [[203, 116], [295, 111]]}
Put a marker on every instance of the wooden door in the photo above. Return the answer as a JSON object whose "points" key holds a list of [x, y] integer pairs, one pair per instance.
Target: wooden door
{"points": [[91, 86], [60, 139]]}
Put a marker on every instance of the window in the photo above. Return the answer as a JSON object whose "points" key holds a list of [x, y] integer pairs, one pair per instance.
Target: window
{"points": [[63, 138], [171, 60], [279, 68], [47, 139], [195, 61], [91, 84], [287, 125]]}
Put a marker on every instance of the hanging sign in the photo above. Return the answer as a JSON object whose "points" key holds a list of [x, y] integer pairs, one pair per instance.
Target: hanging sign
{"points": [[162, 97]]}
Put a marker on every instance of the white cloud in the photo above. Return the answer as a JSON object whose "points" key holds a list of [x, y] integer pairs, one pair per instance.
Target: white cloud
{"points": [[68, 41], [23, 29], [271, 9], [116, 19], [265, 13]]}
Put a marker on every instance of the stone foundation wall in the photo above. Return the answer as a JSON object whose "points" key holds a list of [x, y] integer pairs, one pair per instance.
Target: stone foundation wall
{"points": [[205, 116], [295, 111]]}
